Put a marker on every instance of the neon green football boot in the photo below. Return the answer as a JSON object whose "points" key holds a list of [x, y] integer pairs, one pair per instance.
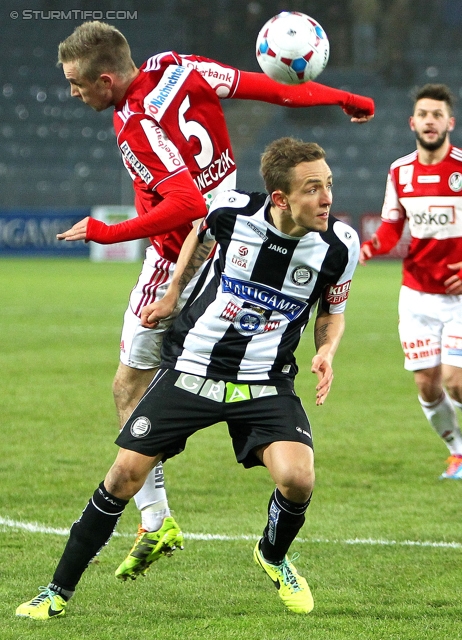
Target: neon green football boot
{"points": [[150, 546], [48, 604], [293, 589]]}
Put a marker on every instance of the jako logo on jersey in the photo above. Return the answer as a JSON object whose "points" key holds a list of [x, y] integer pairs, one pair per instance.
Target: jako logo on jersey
{"points": [[439, 216], [215, 171], [156, 102], [301, 275], [135, 164], [275, 247], [140, 427], [265, 297], [455, 181], [338, 293]]}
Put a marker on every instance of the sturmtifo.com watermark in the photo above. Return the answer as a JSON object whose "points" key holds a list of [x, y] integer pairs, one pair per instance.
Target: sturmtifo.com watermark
{"points": [[73, 14]]}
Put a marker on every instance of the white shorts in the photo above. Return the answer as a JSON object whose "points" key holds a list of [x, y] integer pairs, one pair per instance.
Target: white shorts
{"points": [[430, 329], [140, 347]]}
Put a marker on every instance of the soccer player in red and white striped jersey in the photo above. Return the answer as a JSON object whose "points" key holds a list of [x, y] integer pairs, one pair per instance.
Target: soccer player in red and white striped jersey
{"points": [[424, 188]]}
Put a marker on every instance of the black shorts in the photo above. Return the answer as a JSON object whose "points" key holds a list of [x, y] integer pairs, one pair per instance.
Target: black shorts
{"points": [[176, 405]]}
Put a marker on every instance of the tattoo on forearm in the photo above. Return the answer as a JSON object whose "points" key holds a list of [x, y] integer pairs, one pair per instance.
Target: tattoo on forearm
{"points": [[199, 256], [320, 334]]}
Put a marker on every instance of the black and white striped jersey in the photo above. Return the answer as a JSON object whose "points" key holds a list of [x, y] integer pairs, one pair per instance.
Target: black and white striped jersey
{"points": [[246, 315]]}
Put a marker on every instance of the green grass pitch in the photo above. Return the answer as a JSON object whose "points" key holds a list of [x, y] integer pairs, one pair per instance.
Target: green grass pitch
{"points": [[376, 544]]}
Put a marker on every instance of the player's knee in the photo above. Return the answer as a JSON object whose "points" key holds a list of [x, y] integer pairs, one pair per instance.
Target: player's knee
{"points": [[299, 482], [454, 389], [430, 388], [124, 480]]}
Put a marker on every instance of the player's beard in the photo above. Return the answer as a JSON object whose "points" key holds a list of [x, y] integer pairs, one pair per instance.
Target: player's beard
{"points": [[432, 146]]}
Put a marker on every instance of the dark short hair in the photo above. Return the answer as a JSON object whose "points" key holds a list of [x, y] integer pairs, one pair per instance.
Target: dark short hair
{"points": [[281, 156], [435, 91]]}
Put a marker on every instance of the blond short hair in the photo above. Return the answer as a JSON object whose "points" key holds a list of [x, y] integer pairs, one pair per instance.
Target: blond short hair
{"points": [[96, 48]]}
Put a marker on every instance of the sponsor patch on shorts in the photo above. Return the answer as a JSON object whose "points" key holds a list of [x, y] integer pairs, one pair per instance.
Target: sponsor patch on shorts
{"points": [[221, 391]]}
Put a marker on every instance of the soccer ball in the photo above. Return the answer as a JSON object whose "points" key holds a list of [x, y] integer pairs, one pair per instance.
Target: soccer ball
{"points": [[292, 48]]}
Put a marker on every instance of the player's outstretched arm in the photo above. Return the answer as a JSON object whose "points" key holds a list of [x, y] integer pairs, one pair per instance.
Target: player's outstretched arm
{"points": [[258, 86], [328, 331], [182, 203]]}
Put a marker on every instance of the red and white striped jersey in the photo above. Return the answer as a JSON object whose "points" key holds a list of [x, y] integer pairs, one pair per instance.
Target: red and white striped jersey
{"points": [[169, 122], [430, 198]]}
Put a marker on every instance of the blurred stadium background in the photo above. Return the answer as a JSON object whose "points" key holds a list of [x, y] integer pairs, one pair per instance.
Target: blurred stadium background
{"points": [[58, 155]]}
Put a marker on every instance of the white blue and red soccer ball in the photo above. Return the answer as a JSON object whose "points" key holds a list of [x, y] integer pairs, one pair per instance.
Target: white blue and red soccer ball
{"points": [[292, 48]]}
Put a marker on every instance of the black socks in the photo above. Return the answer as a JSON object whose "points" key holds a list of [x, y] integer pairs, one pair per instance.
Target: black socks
{"points": [[285, 519], [88, 535]]}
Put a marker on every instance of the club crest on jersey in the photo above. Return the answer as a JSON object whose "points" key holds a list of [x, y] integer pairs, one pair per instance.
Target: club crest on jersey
{"points": [[455, 181], [301, 275], [249, 321], [266, 297], [338, 293], [405, 177]]}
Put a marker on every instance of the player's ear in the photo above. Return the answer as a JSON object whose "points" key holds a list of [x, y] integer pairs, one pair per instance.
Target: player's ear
{"points": [[279, 198], [411, 123], [107, 80], [452, 123]]}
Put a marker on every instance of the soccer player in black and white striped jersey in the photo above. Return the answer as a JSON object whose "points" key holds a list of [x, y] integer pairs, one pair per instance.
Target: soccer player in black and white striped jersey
{"points": [[229, 356]]}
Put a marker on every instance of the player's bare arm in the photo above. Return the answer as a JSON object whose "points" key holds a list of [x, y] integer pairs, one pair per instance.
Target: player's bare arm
{"points": [[192, 256], [328, 331]]}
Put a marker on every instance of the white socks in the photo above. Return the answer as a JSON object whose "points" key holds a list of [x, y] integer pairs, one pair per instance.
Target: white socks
{"points": [[442, 417], [152, 501]]}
